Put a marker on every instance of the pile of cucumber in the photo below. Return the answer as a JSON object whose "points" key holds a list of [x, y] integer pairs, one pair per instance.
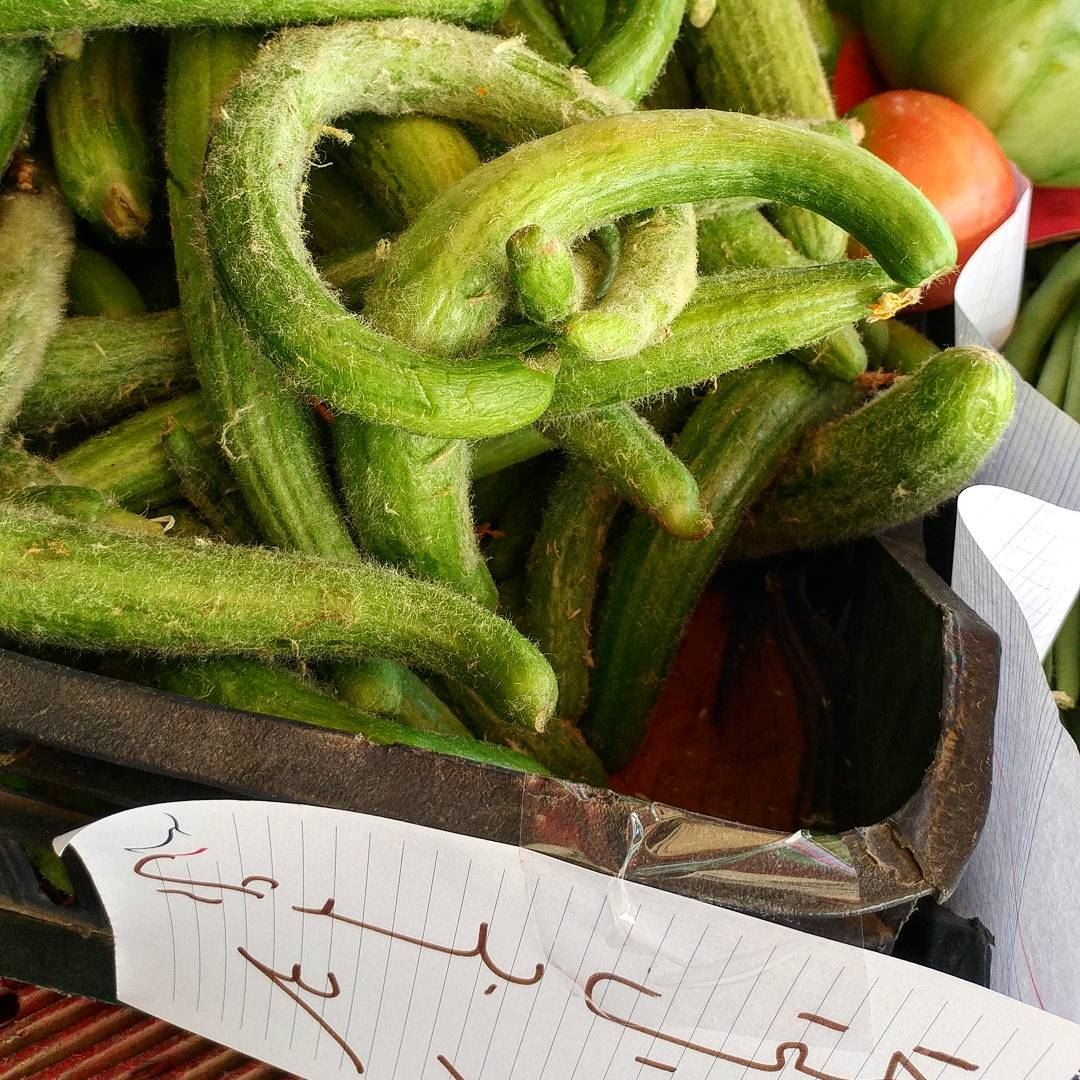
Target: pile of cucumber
{"points": [[409, 366]]}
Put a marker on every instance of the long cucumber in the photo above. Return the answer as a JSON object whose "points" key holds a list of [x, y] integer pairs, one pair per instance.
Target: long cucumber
{"points": [[71, 584]]}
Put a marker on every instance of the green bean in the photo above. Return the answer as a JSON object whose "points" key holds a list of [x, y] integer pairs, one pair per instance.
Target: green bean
{"points": [[493, 455], [100, 144], [656, 276], [532, 20], [627, 452], [393, 691], [733, 320], [543, 272], [97, 286], [207, 484], [57, 16], [619, 165], [1044, 309], [1071, 402], [1054, 376], [633, 45], [938, 426], [88, 506], [96, 368], [69, 584], [563, 575], [21, 66], [243, 684], [36, 238], [128, 461], [305, 78]]}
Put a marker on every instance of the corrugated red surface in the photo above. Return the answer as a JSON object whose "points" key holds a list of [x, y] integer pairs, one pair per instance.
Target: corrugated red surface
{"points": [[51, 1037]]}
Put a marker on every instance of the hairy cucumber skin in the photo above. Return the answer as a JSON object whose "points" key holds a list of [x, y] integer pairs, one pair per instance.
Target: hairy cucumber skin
{"points": [[653, 281], [542, 270], [734, 319], [97, 286], [37, 242], [89, 506], [96, 368], [563, 576], [490, 456], [734, 442], [56, 16], [128, 461], [66, 583], [21, 66], [623, 448], [633, 45], [1042, 312], [20, 469], [890, 461], [101, 147], [393, 691], [308, 76], [245, 684]]}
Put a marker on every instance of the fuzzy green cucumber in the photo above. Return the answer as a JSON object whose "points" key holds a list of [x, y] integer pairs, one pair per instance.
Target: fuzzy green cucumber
{"points": [[36, 238], [128, 461], [387, 474], [1054, 375], [96, 368], [100, 143], [337, 215], [623, 447], [573, 180], [632, 46], [743, 238], [493, 455], [244, 684], [734, 442], [70, 584], [304, 79], [1042, 312], [207, 484], [393, 691], [890, 461], [655, 277], [21, 67], [563, 575], [734, 319], [89, 506], [20, 469], [58, 16], [406, 161], [533, 20], [543, 272], [895, 346], [97, 286], [560, 748]]}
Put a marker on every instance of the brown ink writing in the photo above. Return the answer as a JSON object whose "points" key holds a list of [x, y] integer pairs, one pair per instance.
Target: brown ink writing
{"points": [[190, 885]]}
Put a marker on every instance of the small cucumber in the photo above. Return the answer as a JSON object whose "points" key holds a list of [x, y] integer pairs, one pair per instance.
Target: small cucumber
{"points": [[36, 238], [244, 684], [97, 286], [96, 368], [733, 443], [563, 575], [543, 272], [623, 448], [194, 599], [890, 461], [100, 144]]}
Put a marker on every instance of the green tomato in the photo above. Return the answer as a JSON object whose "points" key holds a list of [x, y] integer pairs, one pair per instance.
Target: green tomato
{"points": [[1014, 63]]}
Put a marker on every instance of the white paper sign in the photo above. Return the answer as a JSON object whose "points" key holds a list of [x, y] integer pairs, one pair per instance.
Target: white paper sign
{"points": [[334, 944]]}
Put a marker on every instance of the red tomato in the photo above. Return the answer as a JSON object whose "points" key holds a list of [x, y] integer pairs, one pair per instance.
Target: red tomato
{"points": [[951, 157]]}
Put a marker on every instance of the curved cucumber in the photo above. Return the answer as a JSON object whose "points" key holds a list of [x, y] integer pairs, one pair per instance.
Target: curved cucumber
{"points": [[244, 684], [896, 458], [55, 16], [733, 443], [217, 599], [733, 320], [95, 368], [563, 575], [623, 448], [304, 79], [36, 238], [100, 145], [21, 67]]}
